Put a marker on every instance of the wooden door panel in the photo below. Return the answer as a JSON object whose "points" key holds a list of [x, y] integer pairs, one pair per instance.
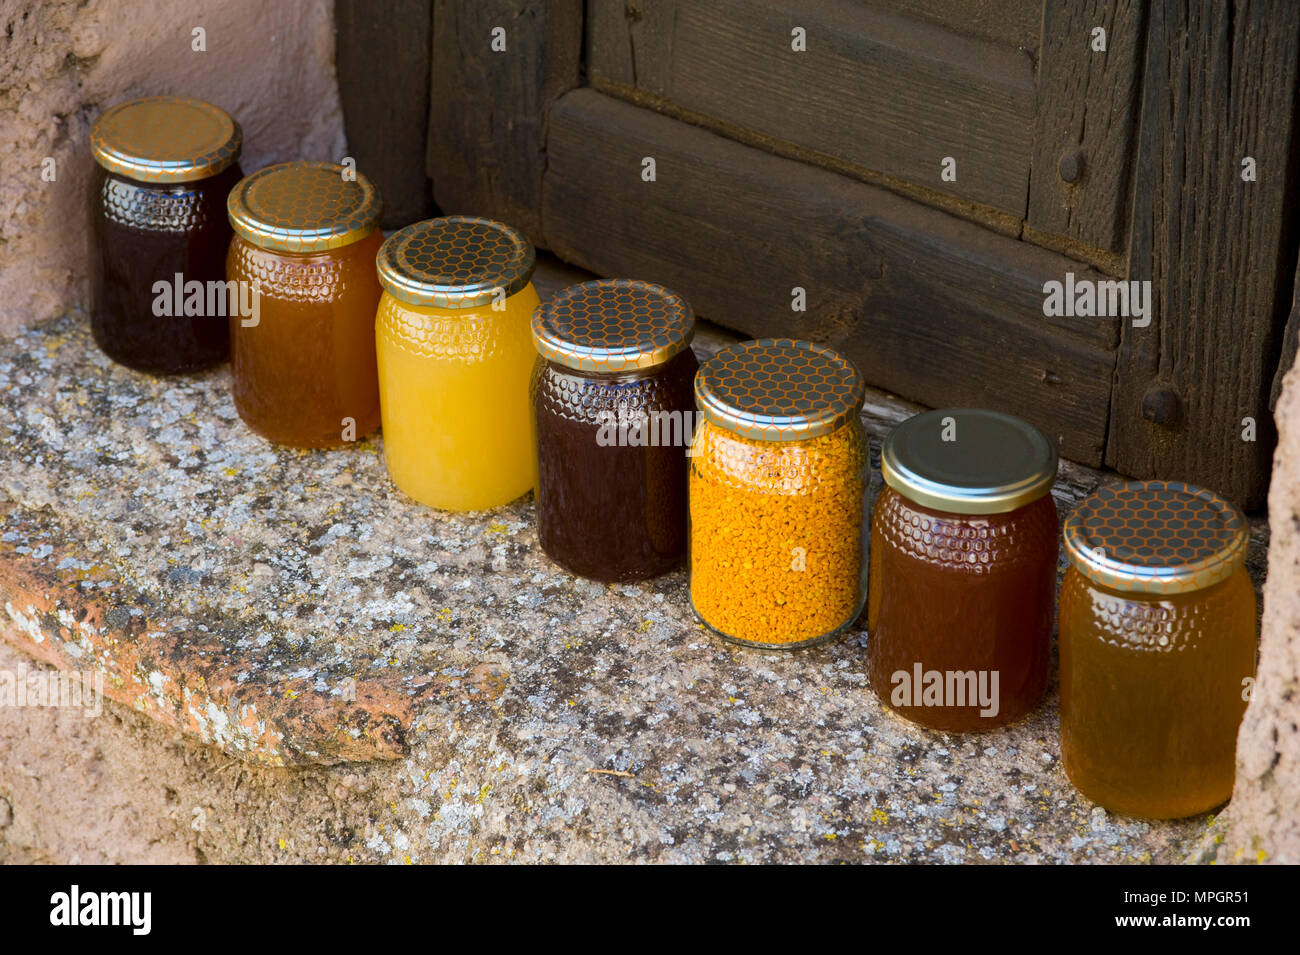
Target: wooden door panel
{"points": [[876, 94]]}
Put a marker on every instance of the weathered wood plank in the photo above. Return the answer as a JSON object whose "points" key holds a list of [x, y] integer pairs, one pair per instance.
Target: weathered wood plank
{"points": [[1219, 85], [487, 111], [880, 96], [1085, 126], [1012, 22], [382, 56], [933, 308]]}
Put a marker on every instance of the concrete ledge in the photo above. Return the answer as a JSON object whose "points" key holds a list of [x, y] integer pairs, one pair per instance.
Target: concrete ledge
{"points": [[240, 595]]}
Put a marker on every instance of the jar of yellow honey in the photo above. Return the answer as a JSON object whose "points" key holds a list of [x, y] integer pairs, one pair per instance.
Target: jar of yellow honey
{"points": [[1157, 647], [303, 356], [455, 362], [163, 168], [778, 476]]}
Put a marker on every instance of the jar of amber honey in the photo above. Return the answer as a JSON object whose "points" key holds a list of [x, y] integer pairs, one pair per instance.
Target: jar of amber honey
{"points": [[158, 298], [304, 358], [613, 395], [778, 477], [964, 546], [1157, 647], [455, 360]]}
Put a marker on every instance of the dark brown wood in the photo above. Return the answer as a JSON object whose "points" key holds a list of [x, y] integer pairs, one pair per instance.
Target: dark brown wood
{"points": [[487, 117], [382, 57], [1219, 84], [875, 94], [1014, 22], [1085, 126], [931, 307]]}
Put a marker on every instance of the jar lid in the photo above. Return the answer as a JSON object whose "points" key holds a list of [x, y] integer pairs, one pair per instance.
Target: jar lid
{"points": [[303, 207], [1156, 537], [968, 461], [779, 389], [455, 262], [613, 325], [165, 139]]}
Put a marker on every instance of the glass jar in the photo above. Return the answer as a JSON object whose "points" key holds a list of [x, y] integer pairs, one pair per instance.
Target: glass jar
{"points": [[613, 394], [304, 360], [159, 232], [1157, 647], [455, 360], [964, 548], [778, 475]]}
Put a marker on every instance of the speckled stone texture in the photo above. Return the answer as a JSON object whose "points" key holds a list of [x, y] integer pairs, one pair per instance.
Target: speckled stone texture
{"points": [[62, 62], [1262, 822], [328, 671]]}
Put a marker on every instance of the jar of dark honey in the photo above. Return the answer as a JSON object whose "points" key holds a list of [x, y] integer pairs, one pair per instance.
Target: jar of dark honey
{"points": [[778, 483], [964, 546], [304, 363], [455, 360], [614, 401], [1157, 647], [164, 166]]}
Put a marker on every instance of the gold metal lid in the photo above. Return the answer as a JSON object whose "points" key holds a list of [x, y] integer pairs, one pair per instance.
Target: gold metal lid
{"points": [[455, 262], [1156, 537], [968, 461], [303, 207], [165, 139], [613, 325], [779, 389]]}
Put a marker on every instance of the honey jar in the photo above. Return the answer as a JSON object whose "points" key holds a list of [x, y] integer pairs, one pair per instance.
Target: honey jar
{"points": [[613, 395], [163, 168], [455, 362], [304, 361], [778, 476], [964, 546], [1157, 647]]}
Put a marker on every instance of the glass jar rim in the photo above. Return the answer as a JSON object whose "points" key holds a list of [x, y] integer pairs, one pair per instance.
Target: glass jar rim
{"points": [[165, 139], [613, 325], [1156, 537]]}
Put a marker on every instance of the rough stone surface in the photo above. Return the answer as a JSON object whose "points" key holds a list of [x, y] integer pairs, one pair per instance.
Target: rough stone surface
{"points": [[1263, 820], [229, 590], [63, 61]]}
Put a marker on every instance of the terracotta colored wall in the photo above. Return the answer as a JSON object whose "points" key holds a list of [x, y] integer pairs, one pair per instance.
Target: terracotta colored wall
{"points": [[270, 64]]}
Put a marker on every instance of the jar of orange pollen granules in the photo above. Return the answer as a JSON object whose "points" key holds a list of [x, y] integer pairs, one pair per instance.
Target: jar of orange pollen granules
{"points": [[779, 471]]}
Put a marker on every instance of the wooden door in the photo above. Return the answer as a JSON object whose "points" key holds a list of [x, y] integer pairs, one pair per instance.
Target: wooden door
{"points": [[803, 157]]}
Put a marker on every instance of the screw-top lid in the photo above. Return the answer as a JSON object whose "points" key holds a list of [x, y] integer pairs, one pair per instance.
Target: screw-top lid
{"points": [[1157, 537], [165, 139], [304, 207], [968, 461], [613, 325], [779, 389], [455, 262]]}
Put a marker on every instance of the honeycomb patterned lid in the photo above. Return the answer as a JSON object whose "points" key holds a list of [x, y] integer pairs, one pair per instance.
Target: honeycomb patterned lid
{"points": [[613, 325], [968, 461], [1157, 537], [779, 389], [304, 207], [455, 262], [165, 139]]}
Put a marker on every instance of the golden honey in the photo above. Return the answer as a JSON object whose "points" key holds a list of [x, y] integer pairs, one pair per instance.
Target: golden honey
{"points": [[1157, 648], [304, 365]]}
